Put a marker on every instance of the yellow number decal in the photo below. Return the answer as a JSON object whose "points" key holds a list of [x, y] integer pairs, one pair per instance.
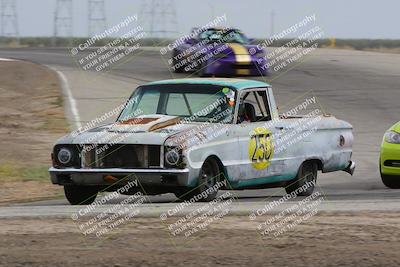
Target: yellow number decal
{"points": [[261, 148]]}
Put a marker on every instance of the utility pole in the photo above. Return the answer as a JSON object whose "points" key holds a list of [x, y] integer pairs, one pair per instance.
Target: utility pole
{"points": [[63, 20], [212, 8], [272, 23], [9, 20], [159, 18], [96, 17]]}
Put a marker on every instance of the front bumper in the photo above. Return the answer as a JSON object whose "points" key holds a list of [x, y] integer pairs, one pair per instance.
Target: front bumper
{"points": [[390, 159], [229, 67], [350, 168], [146, 177]]}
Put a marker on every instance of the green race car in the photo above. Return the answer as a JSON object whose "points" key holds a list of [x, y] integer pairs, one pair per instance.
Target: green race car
{"points": [[390, 157]]}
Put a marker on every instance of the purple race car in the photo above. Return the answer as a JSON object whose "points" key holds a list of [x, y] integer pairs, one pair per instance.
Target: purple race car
{"points": [[219, 52]]}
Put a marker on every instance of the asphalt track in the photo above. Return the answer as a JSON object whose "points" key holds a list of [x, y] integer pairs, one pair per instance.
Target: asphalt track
{"points": [[360, 87]]}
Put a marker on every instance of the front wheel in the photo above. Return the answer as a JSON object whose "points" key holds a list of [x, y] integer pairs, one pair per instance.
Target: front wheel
{"points": [[305, 181], [392, 182], [80, 195], [207, 187]]}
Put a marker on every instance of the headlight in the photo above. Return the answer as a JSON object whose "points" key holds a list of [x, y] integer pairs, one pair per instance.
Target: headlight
{"points": [[392, 137], [172, 157], [64, 156]]}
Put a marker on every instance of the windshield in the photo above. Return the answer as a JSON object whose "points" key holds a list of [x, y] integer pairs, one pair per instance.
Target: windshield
{"points": [[193, 102], [224, 36]]}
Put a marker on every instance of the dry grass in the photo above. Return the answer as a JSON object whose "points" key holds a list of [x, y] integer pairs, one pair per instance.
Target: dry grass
{"points": [[31, 120]]}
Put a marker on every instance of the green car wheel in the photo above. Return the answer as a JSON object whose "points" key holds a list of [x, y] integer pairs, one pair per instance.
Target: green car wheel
{"points": [[389, 163]]}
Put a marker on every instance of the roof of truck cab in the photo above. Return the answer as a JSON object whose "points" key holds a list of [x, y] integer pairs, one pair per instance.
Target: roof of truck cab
{"points": [[238, 84]]}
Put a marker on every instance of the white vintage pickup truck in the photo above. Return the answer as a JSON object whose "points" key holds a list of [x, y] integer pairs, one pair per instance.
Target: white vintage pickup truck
{"points": [[192, 137]]}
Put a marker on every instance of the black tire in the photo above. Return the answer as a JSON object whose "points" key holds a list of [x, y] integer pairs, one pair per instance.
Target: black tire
{"points": [[80, 195], [175, 62], [209, 176], [306, 174], [390, 181]]}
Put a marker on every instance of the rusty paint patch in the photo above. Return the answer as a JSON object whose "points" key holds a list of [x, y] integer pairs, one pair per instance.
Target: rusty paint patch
{"points": [[137, 121], [164, 124], [110, 179]]}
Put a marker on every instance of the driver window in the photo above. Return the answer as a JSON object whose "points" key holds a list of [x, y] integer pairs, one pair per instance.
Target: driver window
{"points": [[254, 107]]}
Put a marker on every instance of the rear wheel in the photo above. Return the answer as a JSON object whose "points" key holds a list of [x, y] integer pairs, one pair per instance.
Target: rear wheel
{"points": [[208, 178], [305, 181], [80, 195]]}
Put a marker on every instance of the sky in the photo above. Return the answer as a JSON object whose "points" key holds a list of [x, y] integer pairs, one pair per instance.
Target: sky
{"points": [[339, 18]]}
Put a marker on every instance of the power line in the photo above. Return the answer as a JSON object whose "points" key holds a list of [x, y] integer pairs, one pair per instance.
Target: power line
{"points": [[272, 23], [9, 19], [96, 17], [158, 18], [63, 20]]}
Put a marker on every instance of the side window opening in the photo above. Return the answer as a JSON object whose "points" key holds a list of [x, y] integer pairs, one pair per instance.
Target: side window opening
{"points": [[254, 107]]}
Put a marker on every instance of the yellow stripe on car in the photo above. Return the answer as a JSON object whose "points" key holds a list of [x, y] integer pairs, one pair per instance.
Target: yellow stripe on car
{"points": [[242, 57], [241, 54]]}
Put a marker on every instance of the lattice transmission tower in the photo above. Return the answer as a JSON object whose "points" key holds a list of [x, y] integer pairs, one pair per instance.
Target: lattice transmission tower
{"points": [[96, 17], [272, 18], [63, 20], [9, 19], [158, 18]]}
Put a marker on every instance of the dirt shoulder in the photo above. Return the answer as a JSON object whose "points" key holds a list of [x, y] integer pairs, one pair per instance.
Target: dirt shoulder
{"points": [[31, 120], [330, 239]]}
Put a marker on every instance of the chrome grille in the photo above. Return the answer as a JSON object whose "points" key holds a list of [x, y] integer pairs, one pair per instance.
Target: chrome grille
{"points": [[120, 156]]}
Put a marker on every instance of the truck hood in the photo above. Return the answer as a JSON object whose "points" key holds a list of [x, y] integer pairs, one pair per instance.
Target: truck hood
{"points": [[146, 129]]}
